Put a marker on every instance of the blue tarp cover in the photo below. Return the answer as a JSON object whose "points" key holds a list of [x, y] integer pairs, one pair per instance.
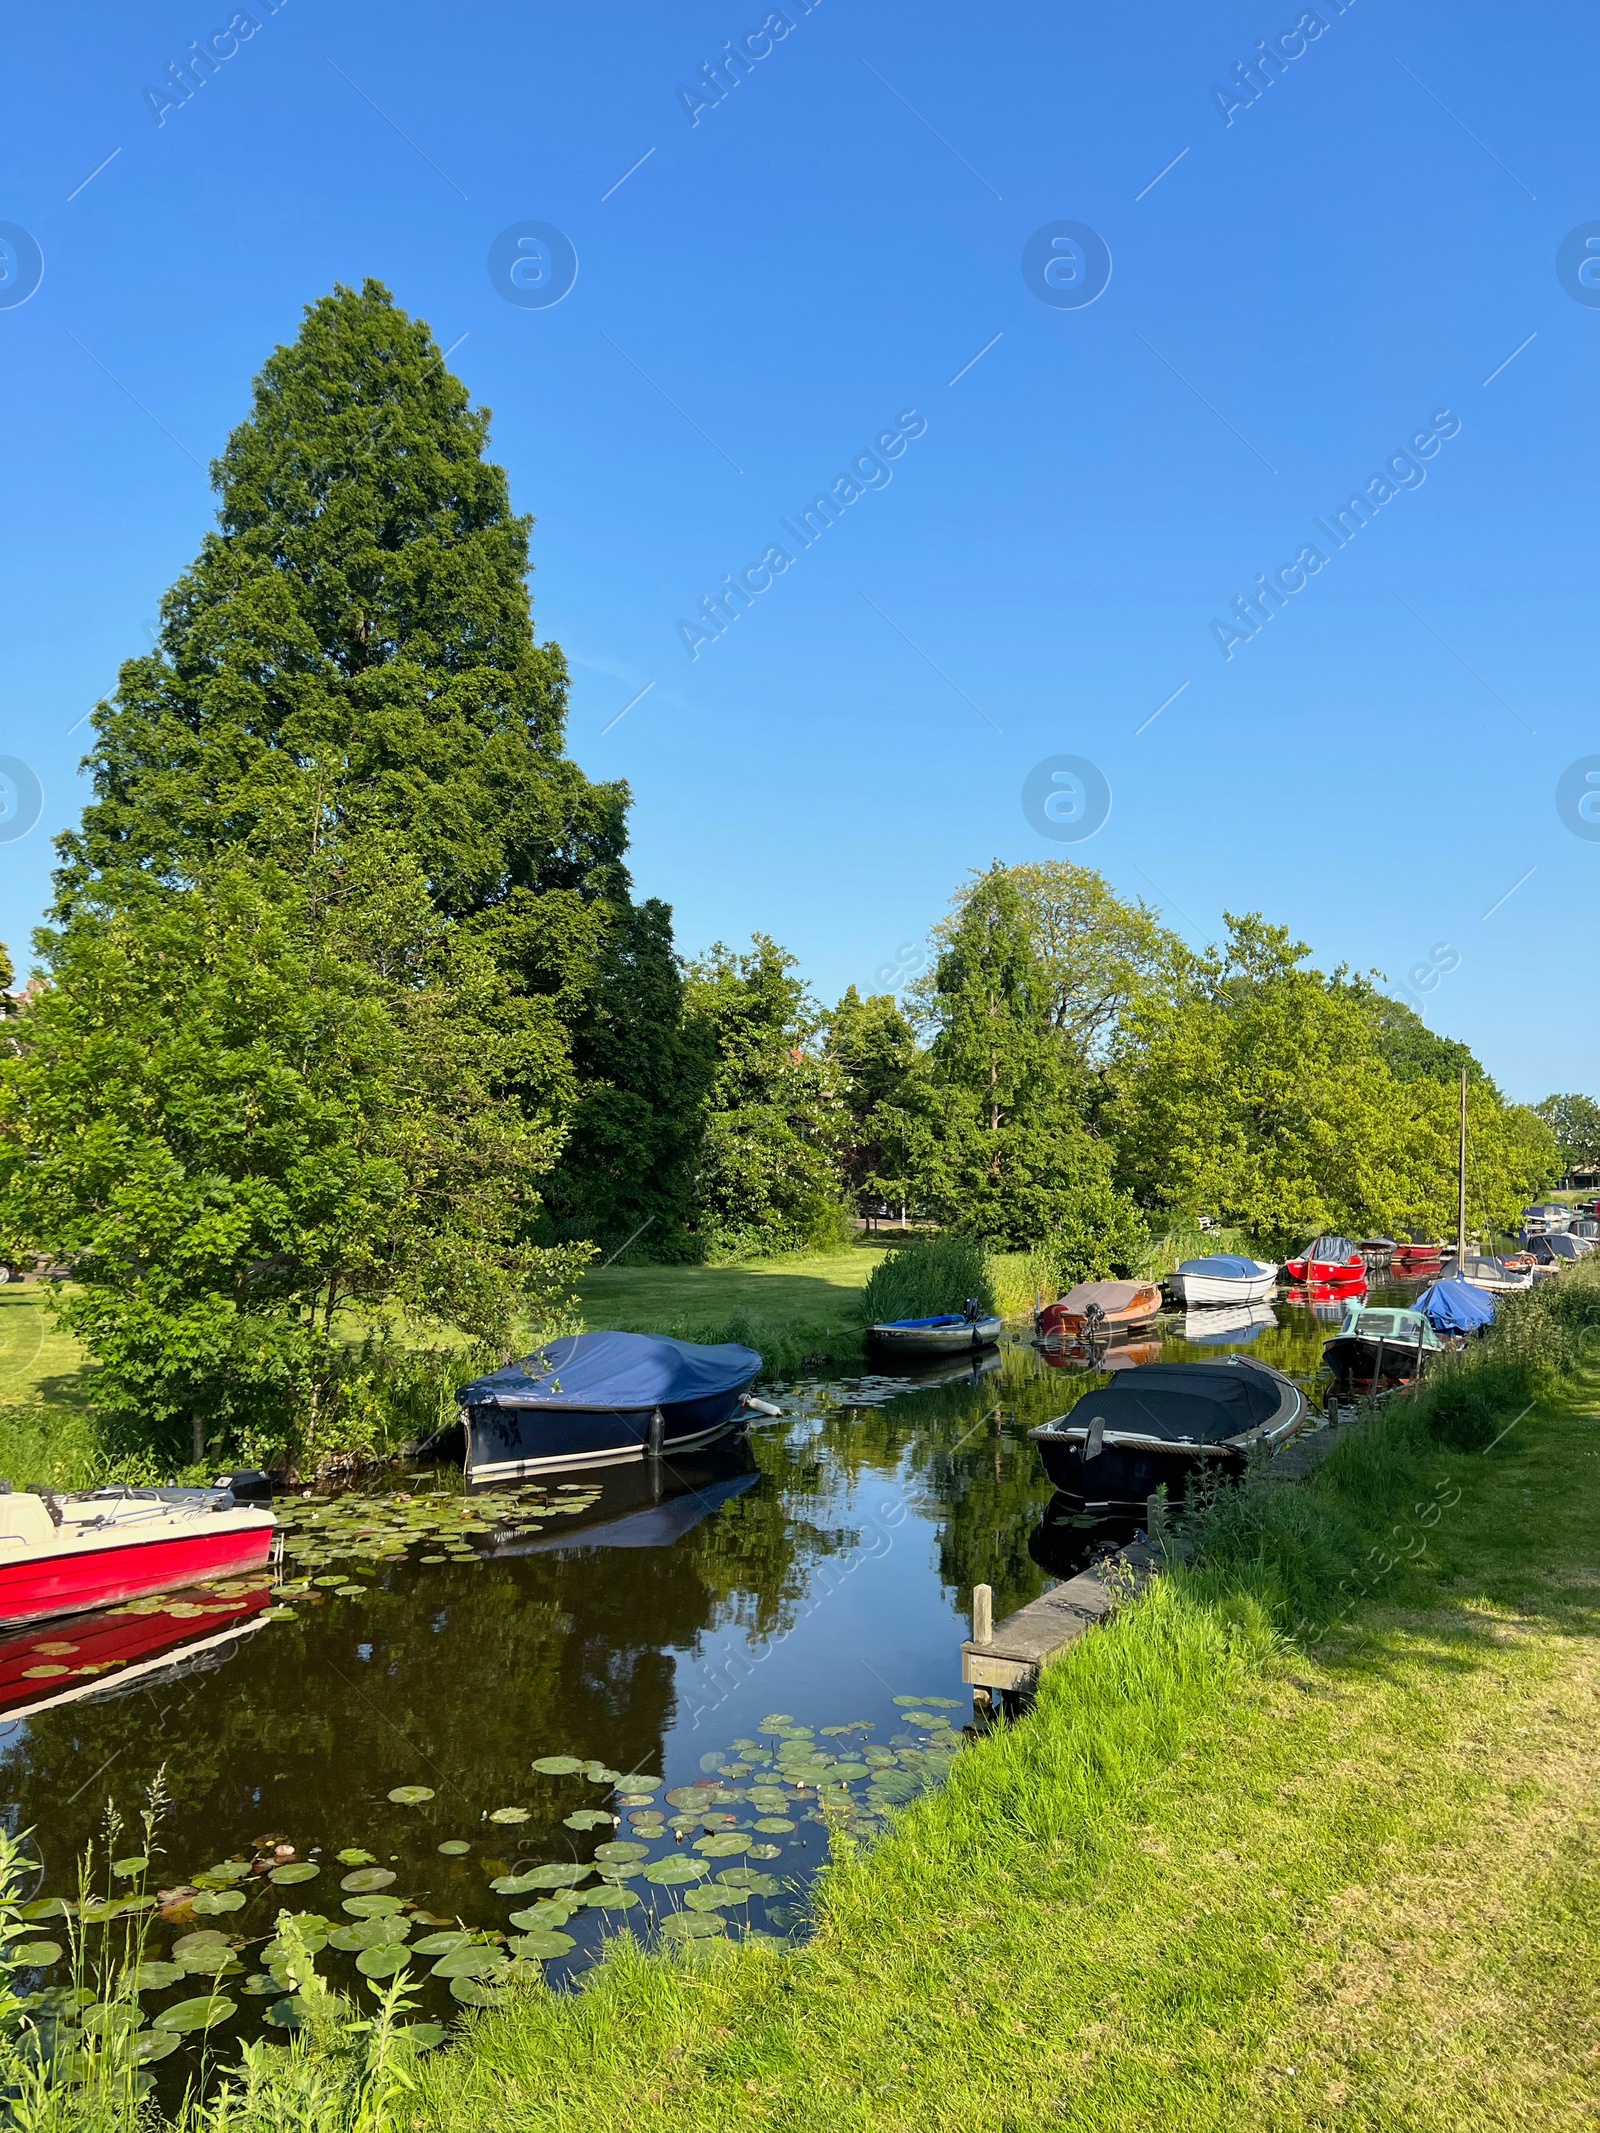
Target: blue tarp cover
{"points": [[1225, 1265], [1456, 1307], [948, 1318], [614, 1370]]}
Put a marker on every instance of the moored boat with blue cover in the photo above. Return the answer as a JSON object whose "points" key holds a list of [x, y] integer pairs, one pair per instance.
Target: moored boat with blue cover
{"points": [[598, 1399], [1458, 1307]]}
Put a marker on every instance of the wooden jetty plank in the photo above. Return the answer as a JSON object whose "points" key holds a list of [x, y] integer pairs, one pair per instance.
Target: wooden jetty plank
{"points": [[1010, 1658]]}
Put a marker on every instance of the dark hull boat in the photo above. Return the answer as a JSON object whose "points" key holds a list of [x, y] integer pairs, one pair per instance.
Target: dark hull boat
{"points": [[602, 1399], [1380, 1346], [1160, 1426]]}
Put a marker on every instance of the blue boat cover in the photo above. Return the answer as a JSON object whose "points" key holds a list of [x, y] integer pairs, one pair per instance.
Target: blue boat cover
{"points": [[1226, 1266], [1456, 1307], [624, 1371], [907, 1324]]}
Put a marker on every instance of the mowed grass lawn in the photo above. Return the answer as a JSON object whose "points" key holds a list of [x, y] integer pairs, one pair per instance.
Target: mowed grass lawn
{"points": [[1213, 1883], [46, 1439], [790, 1307]]}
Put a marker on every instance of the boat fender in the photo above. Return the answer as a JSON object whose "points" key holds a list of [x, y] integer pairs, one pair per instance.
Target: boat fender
{"points": [[763, 1407], [1094, 1441], [653, 1439]]}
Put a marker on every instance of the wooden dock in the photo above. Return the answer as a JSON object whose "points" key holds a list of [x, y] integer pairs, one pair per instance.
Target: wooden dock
{"points": [[1004, 1659]]}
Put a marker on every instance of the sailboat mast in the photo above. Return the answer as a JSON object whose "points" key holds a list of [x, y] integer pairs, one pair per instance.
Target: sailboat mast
{"points": [[1461, 1184]]}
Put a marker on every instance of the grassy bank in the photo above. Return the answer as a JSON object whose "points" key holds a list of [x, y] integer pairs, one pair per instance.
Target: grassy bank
{"points": [[792, 1308], [46, 1437]]}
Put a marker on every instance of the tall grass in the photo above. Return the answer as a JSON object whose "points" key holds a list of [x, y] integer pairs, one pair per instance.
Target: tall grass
{"points": [[927, 1279], [1185, 1241]]}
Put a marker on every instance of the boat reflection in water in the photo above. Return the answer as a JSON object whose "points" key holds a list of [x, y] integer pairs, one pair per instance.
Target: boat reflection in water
{"points": [[651, 1506], [1228, 1325], [1326, 1303], [1093, 1355], [1067, 1540], [83, 1657]]}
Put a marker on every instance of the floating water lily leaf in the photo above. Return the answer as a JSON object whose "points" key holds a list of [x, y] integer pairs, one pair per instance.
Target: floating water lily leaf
{"points": [[692, 1925], [452, 1848], [941, 1703], [669, 1872], [587, 1818], [469, 1961], [287, 2014], [543, 1947], [382, 1962], [559, 1765], [546, 1917], [152, 2044], [211, 1937], [474, 1992], [411, 1795], [610, 1899], [424, 2035], [265, 1981], [353, 1855], [601, 1774], [516, 1884], [774, 1719], [556, 1877], [280, 1614], [710, 1898], [690, 1795], [621, 1849], [127, 1868], [772, 1796], [113, 2019], [43, 1907], [444, 1943], [620, 1870], [713, 1761], [157, 1976], [366, 1878], [765, 1851], [369, 1933], [748, 1880], [287, 1876], [37, 1954], [211, 1903], [510, 1814], [723, 1844], [372, 1906], [186, 2015], [776, 1825]]}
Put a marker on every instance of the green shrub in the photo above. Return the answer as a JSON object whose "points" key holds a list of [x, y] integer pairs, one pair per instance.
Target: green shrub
{"points": [[925, 1279]]}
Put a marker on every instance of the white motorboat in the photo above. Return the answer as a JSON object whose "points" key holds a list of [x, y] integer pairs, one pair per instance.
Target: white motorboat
{"points": [[1223, 1278], [1492, 1275]]}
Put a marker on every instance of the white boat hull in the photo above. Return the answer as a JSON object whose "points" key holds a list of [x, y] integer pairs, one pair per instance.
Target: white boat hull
{"points": [[1222, 1288]]}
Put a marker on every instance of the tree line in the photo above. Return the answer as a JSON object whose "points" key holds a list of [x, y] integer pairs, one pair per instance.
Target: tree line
{"points": [[347, 1009]]}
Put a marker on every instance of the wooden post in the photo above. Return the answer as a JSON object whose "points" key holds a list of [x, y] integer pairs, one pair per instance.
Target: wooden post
{"points": [[982, 1614], [1461, 1187]]}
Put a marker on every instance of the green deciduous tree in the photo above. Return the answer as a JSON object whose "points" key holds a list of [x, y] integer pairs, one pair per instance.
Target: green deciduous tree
{"points": [[871, 1048], [998, 1146], [1575, 1122], [240, 1109], [768, 1180]]}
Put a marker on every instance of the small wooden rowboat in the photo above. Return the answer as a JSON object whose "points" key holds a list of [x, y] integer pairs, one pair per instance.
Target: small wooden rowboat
{"points": [[97, 1547], [1102, 1309]]}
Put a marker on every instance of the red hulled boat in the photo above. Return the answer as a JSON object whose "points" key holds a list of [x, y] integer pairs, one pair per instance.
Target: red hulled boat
{"points": [[98, 1547], [1333, 1261]]}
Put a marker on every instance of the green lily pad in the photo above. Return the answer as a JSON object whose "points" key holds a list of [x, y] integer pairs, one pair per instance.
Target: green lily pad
{"points": [[44, 1907], [287, 1876], [372, 1906], [114, 2020], [211, 1903], [692, 1796], [547, 1917], [469, 1961], [559, 1765], [709, 1898], [517, 1884], [452, 1848], [776, 1825], [765, 1851], [475, 1992], [368, 1933], [423, 2035], [225, 1870], [261, 1982], [692, 1925], [620, 1848], [411, 1795], [444, 1943], [510, 1814], [382, 1962], [723, 1844], [156, 1976], [610, 1899], [367, 1878], [543, 1947], [557, 1877], [676, 1869], [287, 2014], [353, 1855], [748, 1880], [599, 1774], [152, 2044], [588, 1818], [37, 1954], [125, 1869], [188, 2015]]}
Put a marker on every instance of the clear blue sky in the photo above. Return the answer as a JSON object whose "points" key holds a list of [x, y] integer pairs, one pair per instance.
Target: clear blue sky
{"points": [[776, 284]]}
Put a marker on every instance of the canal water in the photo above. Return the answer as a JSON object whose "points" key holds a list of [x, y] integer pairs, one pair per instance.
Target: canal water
{"points": [[717, 1667]]}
